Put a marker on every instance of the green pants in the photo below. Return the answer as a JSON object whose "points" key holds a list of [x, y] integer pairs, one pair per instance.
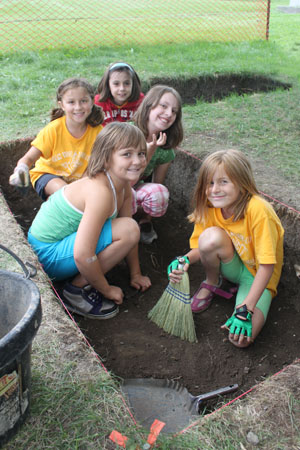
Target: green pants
{"points": [[236, 272]]}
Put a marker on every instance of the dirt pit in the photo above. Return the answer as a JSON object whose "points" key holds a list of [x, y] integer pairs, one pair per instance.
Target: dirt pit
{"points": [[131, 346], [211, 88]]}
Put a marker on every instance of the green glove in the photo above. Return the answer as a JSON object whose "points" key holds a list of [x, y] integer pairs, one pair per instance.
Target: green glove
{"points": [[240, 322], [176, 263]]}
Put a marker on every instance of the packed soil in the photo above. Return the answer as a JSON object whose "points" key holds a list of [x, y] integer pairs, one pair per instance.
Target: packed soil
{"points": [[131, 346]]}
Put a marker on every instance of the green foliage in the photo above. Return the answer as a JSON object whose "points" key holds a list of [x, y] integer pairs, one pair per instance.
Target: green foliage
{"points": [[264, 126]]}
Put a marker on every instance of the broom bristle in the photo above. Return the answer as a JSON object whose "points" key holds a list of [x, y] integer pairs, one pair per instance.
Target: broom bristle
{"points": [[173, 311], [159, 312]]}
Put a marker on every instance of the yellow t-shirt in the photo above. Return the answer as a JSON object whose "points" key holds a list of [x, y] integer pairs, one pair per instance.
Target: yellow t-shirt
{"points": [[63, 154], [257, 238]]}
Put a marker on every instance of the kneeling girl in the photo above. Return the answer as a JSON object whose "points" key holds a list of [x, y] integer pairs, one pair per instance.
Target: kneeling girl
{"points": [[85, 228], [237, 235]]}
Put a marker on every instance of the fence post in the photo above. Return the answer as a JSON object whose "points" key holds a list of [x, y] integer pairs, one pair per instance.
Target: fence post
{"points": [[268, 20]]}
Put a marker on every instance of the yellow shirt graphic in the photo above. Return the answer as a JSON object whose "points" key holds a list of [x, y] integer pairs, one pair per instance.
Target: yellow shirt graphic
{"points": [[258, 238]]}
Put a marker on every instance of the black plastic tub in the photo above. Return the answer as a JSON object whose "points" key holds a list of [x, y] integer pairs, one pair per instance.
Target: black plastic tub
{"points": [[20, 318]]}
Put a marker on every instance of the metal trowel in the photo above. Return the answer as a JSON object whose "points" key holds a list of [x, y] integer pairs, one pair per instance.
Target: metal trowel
{"points": [[166, 400]]}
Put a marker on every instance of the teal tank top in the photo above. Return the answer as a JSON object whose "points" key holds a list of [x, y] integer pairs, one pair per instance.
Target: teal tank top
{"points": [[58, 218]]}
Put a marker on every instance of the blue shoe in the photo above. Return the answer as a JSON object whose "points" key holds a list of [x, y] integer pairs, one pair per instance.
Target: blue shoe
{"points": [[88, 302]]}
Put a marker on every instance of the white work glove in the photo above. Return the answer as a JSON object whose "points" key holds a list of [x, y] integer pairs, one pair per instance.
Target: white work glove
{"points": [[20, 178]]}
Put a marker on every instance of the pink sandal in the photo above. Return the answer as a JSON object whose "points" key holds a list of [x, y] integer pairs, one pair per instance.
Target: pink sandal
{"points": [[199, 305]]}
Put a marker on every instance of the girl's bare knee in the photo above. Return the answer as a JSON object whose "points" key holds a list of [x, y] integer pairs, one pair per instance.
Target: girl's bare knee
{"points": [[212, 238], [134, 231], [126, 229], [54, 185]]}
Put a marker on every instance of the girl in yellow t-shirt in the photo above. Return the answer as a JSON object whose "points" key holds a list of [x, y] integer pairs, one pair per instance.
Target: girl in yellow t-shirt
{"points": [[61, 150], [237, 235]]}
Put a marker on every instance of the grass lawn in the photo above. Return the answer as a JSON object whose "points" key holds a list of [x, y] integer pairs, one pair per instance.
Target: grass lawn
{"points": [[29, 81]]}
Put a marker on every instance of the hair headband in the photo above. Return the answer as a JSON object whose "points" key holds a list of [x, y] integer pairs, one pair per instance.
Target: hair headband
{"points": [[119, 66]]}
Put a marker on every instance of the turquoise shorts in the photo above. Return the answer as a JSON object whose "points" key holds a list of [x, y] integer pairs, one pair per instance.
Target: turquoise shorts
{"points": [[57, 258], [236, 272]]}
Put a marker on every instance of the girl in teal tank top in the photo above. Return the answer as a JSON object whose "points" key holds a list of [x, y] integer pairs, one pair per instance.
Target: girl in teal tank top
{"points": [[86, 228]]}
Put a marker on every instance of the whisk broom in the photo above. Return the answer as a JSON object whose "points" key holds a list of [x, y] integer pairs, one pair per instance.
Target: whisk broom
{"points": [[173, 311]]}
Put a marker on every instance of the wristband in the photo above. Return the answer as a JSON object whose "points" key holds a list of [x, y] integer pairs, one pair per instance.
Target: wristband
{"points": [[243, 313]]}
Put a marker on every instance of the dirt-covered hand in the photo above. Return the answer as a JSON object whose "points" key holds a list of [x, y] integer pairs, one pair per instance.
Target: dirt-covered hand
{"points": [[140, 282], [115, 293]]}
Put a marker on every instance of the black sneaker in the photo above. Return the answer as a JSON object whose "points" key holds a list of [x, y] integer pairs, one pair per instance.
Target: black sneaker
{"points": [[88, 302], [148, 234]]}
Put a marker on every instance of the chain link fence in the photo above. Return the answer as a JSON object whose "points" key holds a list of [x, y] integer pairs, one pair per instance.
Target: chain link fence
{"points": [[39, 24]]}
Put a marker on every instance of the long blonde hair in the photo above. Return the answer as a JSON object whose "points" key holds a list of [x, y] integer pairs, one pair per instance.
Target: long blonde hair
{"points": [[239, 171]]}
